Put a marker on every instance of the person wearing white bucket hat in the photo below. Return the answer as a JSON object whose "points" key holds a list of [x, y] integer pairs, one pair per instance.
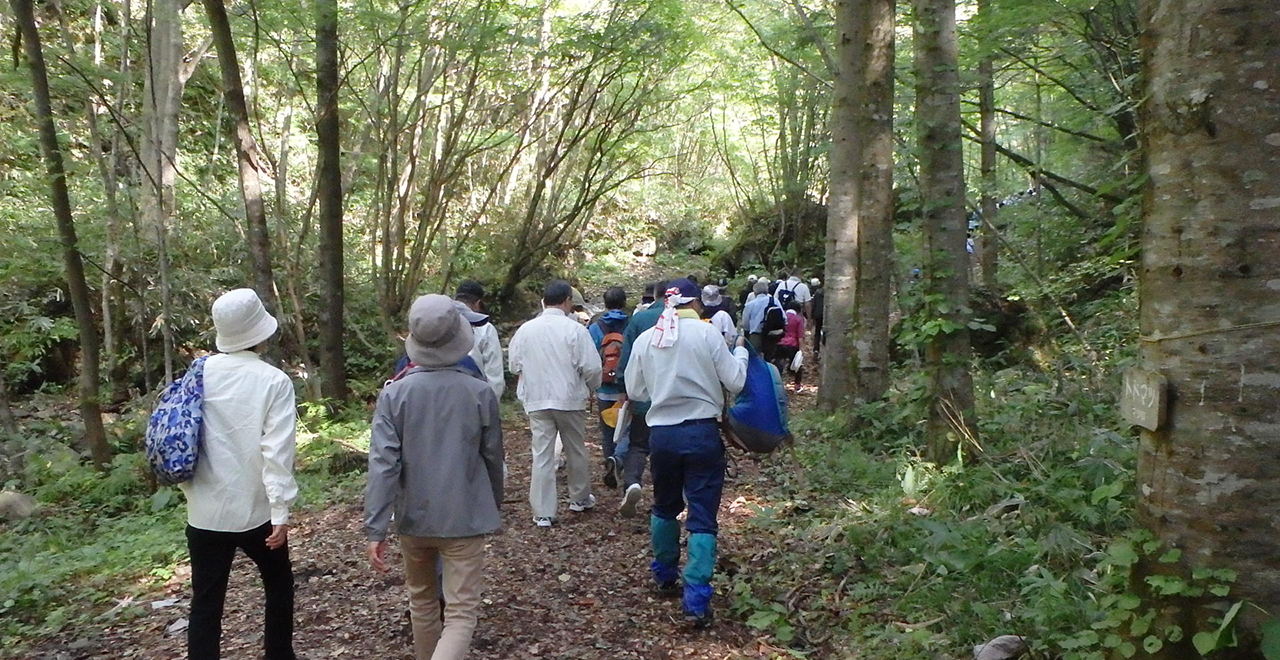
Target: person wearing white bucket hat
{"points": [[243, 486], [435, 465]]}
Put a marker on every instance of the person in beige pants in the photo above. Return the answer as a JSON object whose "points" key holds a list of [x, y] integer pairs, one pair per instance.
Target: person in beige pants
{"points": [[435, 462], [559, 370]]}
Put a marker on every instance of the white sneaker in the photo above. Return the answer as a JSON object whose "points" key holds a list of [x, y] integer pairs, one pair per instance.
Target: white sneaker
{"points": [[542, 522], [630, 500], [589, 503]]}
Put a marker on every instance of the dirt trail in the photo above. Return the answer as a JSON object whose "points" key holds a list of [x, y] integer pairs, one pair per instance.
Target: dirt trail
{"points": [[578, 590]]}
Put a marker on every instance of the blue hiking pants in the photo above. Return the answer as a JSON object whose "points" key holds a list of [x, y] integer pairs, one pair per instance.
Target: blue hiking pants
{"points": [[687, 461]]}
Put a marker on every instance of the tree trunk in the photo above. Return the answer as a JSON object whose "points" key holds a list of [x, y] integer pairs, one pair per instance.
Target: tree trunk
{"points": [[946, 265], [247, 157], [860, 217], [332, 359], [987, 246], [162, 94], [95, 436], [1209, 478], [7, 422], [114, 323]]}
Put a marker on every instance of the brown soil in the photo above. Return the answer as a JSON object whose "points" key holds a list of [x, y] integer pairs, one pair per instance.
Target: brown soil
{"points": [[578, 590]]}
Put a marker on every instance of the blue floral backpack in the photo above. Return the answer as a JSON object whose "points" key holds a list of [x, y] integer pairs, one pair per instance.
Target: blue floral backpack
{"points": [[173, 434]]}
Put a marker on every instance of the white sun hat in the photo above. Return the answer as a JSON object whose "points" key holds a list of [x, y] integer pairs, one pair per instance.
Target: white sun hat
{"points": [[241, 320]]}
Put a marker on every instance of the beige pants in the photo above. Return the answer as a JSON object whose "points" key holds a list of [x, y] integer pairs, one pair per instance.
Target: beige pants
{"points": [[463, 577], [572, 427]]}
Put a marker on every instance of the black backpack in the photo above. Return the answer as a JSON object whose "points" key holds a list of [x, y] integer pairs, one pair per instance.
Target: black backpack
{"points": [[775, 320]]}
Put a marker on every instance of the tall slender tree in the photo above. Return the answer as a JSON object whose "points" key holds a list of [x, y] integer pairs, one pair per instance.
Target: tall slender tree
{"points": [[332, 357], [1208, 477], [248, 158], [860, 215], [987, 246], [946, 272], [95, 435]]}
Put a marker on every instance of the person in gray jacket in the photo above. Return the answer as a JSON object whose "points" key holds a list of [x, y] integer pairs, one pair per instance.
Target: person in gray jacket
{"points": [[435, 459]]}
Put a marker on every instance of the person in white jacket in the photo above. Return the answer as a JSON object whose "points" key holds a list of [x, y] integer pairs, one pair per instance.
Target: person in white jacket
{"points": [[243, 486], [488, 349], [559, 368]]}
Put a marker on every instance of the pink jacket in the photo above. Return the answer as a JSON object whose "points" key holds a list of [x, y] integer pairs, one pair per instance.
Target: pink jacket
{"points": [[795, 330]]}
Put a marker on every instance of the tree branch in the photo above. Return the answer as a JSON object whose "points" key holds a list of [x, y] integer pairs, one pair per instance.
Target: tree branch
{"points": [[1079, 99], [818, 41], [1032, 166], [776, 53], [1051, 125]]}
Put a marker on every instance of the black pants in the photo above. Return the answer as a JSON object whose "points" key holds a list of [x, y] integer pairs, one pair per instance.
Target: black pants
{"points": [[211, 557], [638, 455], [782, 360]]}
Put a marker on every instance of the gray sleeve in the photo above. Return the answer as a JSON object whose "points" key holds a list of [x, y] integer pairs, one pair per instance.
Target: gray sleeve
{"points": [[491, 444], [384, 472]]}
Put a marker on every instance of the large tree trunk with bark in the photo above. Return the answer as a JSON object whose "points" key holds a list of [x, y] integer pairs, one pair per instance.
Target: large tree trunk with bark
{"points": [[95, 436], [248, 158], [1209, 478], [333, 382], [946, 272], [860, 217]]}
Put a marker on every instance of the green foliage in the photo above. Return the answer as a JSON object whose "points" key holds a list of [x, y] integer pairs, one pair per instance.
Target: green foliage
{"points": [[1013, 541], [102, 537]]}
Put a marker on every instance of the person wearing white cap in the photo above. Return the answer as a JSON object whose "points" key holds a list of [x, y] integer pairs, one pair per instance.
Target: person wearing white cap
{"points": [[435, 464], [240, 495], [559, 368]]}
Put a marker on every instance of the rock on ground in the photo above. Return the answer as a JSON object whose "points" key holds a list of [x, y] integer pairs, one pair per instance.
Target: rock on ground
{"points": [[16, 506]]}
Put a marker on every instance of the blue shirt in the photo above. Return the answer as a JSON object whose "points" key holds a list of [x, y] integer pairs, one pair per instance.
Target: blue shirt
{"points": [[753, 314]]}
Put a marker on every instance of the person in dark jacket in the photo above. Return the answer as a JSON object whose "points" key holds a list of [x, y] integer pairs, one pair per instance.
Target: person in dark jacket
{"points": [[614, 319]]}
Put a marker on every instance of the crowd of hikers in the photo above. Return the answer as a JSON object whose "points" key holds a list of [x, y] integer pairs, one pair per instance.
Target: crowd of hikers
{"points": [[671, 379]]}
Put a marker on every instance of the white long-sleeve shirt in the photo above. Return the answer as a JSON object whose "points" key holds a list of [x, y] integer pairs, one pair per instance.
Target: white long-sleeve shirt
{"points": [[685, 381], [557, 362], [488, 354], [244, 476]]}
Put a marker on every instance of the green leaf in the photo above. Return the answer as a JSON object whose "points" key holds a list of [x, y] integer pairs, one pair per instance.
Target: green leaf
{"points": [[1270, 646], [1173, 555], [762, 619], [1205, 642], [1129, 602], [1122, 553], [1151, 644], [1166, 585], [1106, 492], [1173, 633], [1127, 649], [1220, 590]]}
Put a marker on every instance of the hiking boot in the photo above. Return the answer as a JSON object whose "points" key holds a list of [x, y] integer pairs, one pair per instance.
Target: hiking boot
{"points": [[667, 589], [542, 522], [589, 503], [700, 621], [611, 472], [630, 500]]}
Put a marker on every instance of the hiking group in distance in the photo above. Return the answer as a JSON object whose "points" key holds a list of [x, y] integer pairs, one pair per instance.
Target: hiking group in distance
{"points": [[687, 369]]}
